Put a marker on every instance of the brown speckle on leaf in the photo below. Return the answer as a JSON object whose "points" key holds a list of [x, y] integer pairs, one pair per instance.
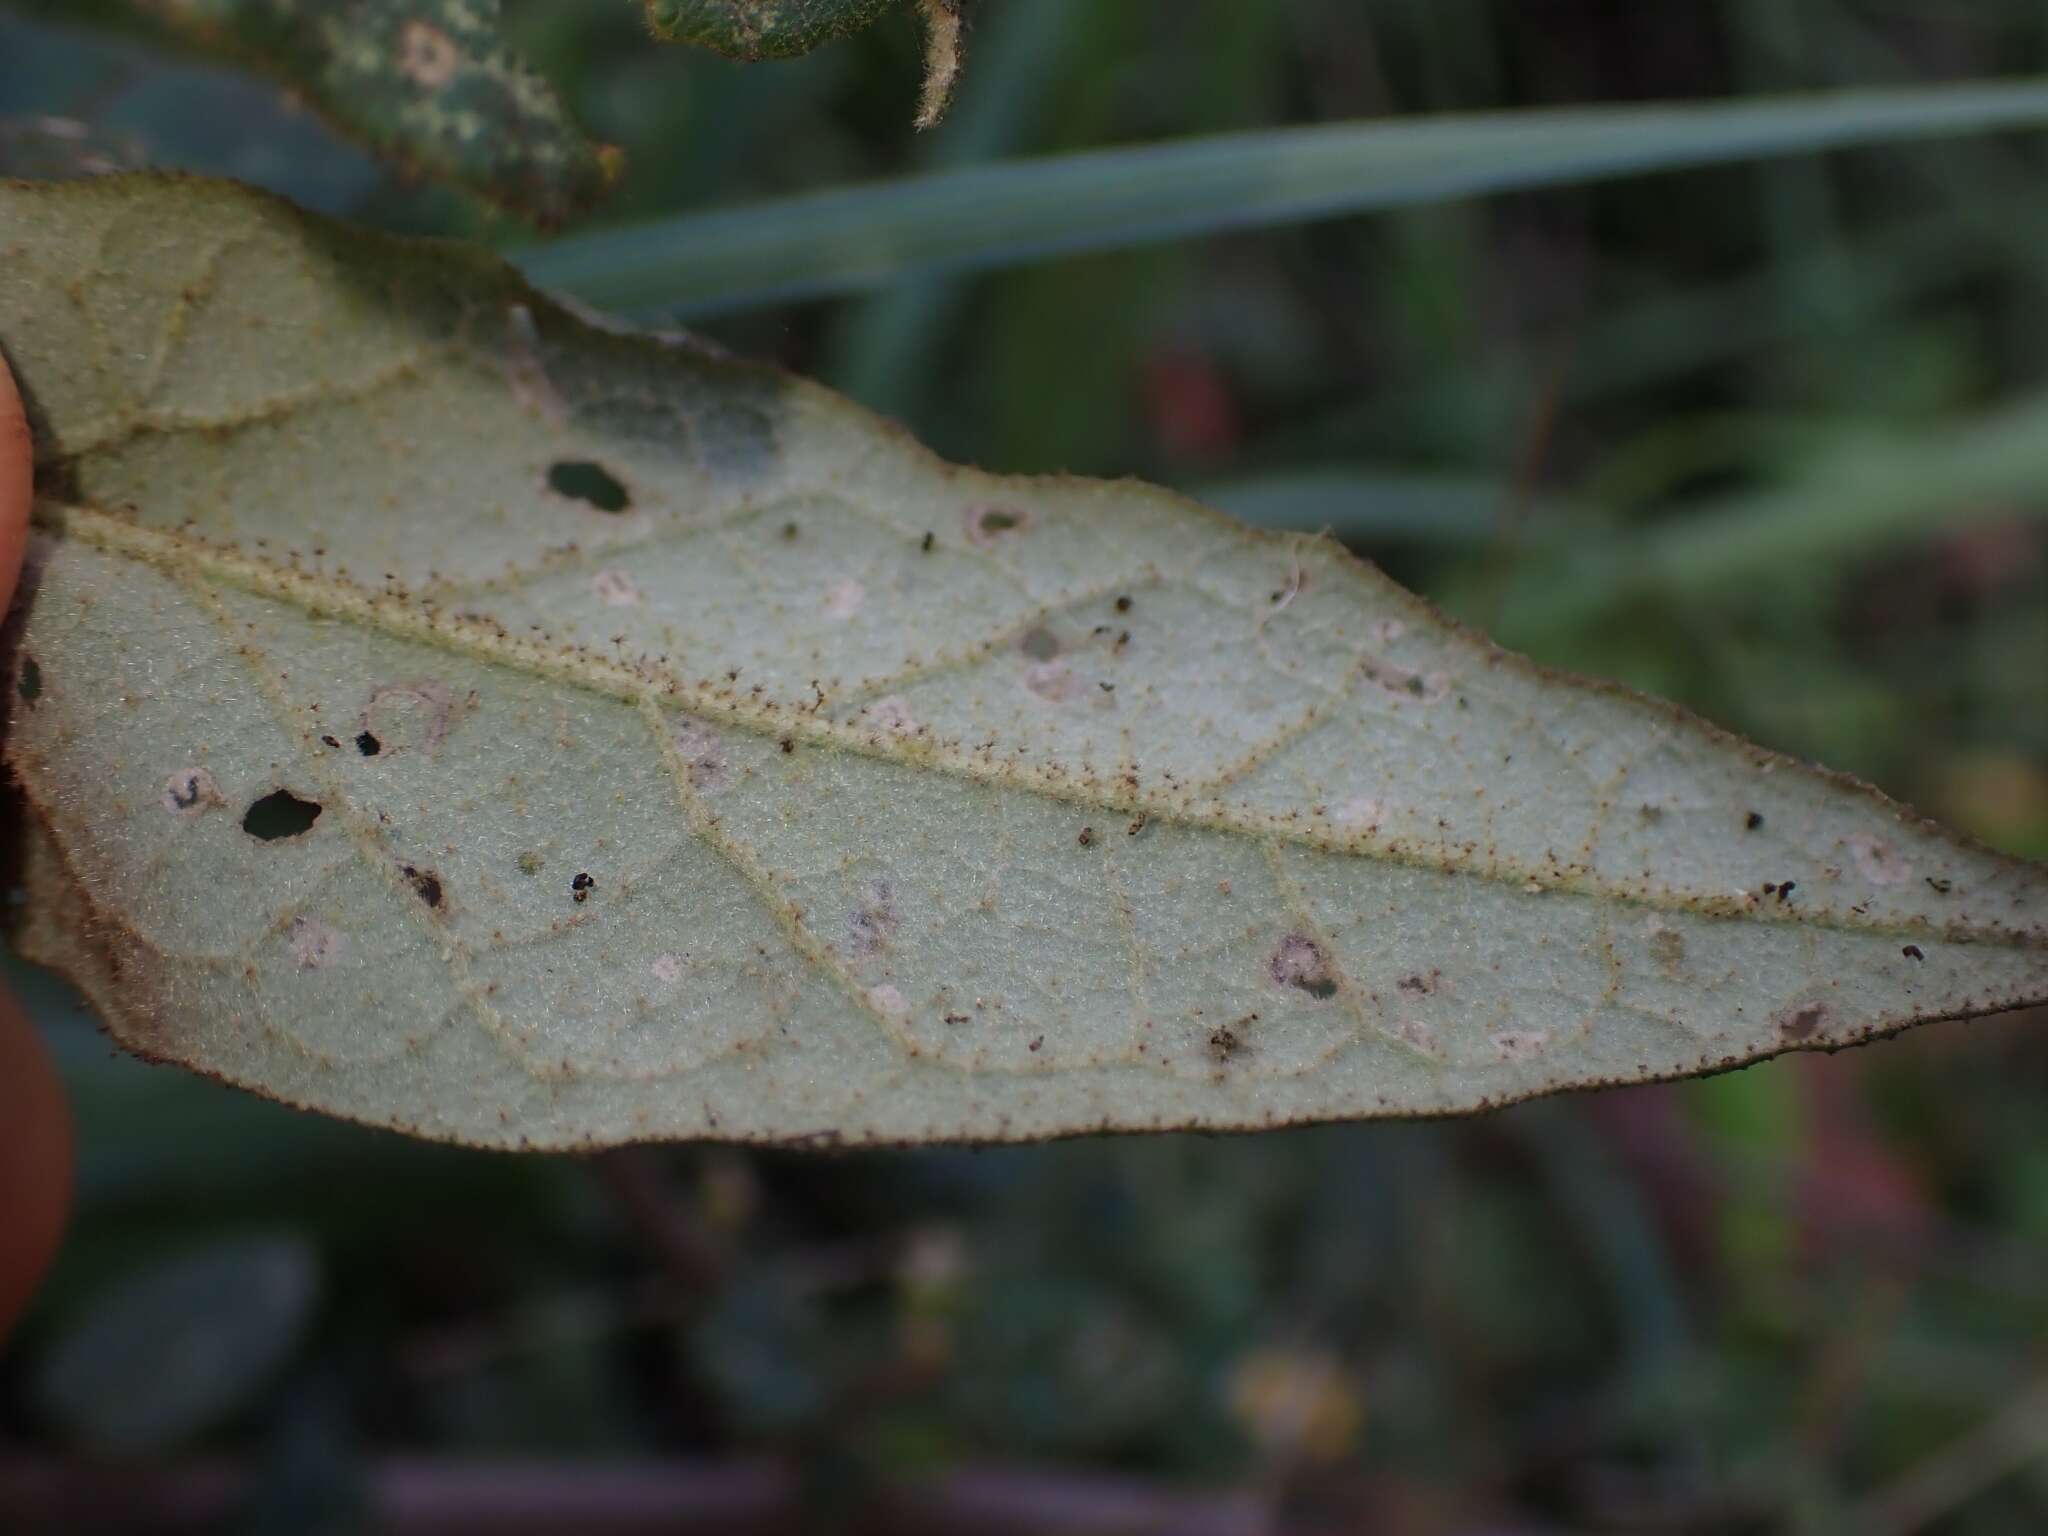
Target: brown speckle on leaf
{"points": [[426, 884], [1225, 1041], [1801, 1022]]}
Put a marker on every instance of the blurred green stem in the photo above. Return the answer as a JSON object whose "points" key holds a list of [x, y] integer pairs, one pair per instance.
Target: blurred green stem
{"points": [[853, 238]]}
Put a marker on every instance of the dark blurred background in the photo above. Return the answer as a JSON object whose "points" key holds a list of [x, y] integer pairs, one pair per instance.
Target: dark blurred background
{"points": [[1768, 439]]}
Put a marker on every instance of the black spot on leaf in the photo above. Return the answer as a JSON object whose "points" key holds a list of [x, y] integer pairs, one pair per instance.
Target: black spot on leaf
{"points": [[368, 744], [30, 683], [585, 481], [581, 887], [279, 814], [426, 883]]}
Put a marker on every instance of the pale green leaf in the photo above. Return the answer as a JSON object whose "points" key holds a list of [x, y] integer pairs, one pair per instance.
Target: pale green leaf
{"points": [[819, 789]]}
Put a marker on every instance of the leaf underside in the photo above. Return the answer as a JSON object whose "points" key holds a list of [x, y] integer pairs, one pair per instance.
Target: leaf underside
{"points": [[439, 712]]}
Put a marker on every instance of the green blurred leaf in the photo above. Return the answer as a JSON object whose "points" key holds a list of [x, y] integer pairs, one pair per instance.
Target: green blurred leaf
{"points": [[427, 83], [161, 1357], [763, 29]]}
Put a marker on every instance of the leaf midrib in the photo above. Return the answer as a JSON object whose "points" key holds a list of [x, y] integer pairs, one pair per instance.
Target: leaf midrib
{"points": [[647, 684]]}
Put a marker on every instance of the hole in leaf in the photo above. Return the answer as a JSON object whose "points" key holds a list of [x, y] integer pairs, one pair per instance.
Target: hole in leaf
{"points": [[30, 687], [280, 814], [368, 744], [582, 480]]}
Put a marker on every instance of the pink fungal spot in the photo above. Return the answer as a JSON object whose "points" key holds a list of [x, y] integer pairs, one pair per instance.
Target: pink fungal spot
{"points": [[1878, 862], [1300, 962], [426, 55], [316, 945], [1052, 681], [703, 754], [410, 716], [844, 599], [871, 926], [190, 791]]}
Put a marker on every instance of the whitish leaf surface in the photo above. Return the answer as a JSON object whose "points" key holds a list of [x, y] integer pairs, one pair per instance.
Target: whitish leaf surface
{"points": [[437, 712]]}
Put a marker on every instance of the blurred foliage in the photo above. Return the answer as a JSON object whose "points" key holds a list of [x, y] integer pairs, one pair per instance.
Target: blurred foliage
{"points": [[1765, 439], [428, 83], [761, 29]]}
